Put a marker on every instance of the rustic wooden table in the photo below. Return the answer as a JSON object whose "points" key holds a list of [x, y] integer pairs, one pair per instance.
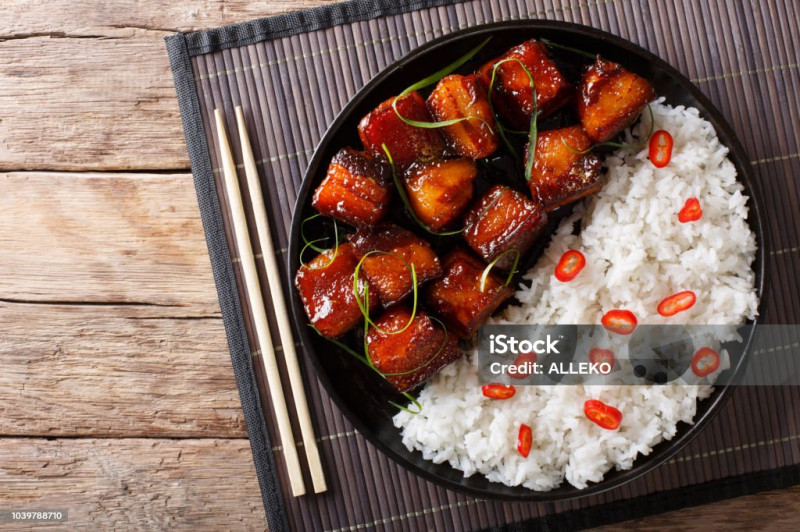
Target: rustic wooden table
{"points": [[117, 396]]}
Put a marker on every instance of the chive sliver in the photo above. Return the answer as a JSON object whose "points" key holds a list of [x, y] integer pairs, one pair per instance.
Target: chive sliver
{"points": [[439, 74], [401, 191]]}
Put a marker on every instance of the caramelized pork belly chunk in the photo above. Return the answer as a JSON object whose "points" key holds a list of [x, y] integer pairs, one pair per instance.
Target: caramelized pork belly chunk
{"points": [[387, 254], [419, 351], [503, 220], [560, 175], [512, 95], [440, 192], [610, 98], [406, 143], [458, 97], [356, 190], [325, 286], [456, 297]]}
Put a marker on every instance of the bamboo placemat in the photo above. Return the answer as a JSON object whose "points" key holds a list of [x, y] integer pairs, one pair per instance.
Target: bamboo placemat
{"points": [[293, 73]]}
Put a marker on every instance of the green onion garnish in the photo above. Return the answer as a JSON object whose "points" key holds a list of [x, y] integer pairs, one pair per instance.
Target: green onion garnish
{"points": [[434, 78], [305, 238], [366, 360], [343, 346], [501, 129], [364, 305], [632, 147], [310, 244], [436, 354], [581, 152], [533, 130], [408, 395], [401, 191], [488, 268], [439, 74], [584, 53], [413, 400], [370, 363], [517, 132], [435, 125]]}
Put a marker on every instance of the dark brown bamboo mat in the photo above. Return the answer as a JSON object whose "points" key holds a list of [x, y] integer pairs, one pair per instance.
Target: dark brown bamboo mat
{"points": [[743, 55]]}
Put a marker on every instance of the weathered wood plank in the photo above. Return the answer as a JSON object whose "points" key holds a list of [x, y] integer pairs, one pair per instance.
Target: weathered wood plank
{"points": [[771, 510], [87, 85], [114, 371], [210, 484], [134, 484], [89, 103], [104, 238], [88, 17]]}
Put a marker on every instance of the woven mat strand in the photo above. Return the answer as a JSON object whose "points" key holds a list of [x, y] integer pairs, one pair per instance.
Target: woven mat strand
{"points": [[744, 56]]}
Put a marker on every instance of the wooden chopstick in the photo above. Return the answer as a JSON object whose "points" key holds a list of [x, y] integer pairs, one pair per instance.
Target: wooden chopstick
{"points": [[253, 288], [279, 305]]}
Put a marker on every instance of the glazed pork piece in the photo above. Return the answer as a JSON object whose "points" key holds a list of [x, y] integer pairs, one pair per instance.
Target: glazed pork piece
{"points": [[356, 190], [512, 95], [439, 192], [560, 175], [406, 143], [326, 289], [423, 346], [503, 220], [455, 97], [456, 297], [610, 98], [388, 272]]}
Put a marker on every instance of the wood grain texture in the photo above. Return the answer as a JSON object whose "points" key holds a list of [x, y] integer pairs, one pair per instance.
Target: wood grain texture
{"points": [[209, 484], [20, 18], [771, 510], [134, 484], [87, 85], [115, 371], [104, 238], [69, 105]]}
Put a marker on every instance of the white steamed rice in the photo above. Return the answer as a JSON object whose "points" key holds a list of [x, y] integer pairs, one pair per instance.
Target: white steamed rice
{"points": [[637, 253]]}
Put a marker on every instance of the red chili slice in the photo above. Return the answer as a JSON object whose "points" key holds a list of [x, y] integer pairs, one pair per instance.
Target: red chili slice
{"points": [[521, 360], [661, 144], [619, 321], [705, 361], [498, 391], [604, 415], [677, 303], [570, 265], [601, 356], [691, 211], [524, 440]]}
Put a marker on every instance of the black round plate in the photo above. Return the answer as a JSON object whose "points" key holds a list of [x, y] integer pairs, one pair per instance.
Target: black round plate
{"points": [[362, 395]]}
